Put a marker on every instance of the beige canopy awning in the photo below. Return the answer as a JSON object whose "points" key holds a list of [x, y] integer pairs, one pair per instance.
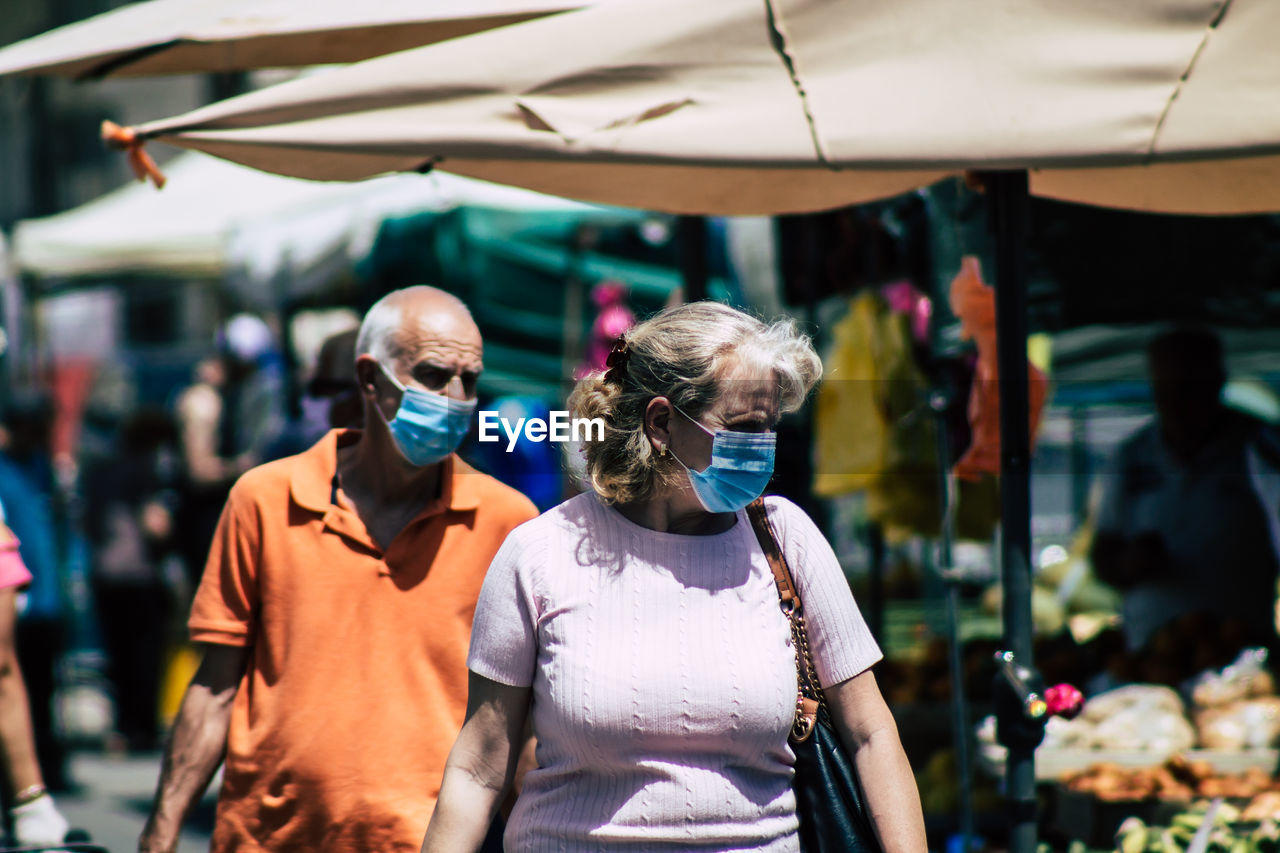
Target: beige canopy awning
{"points": [[774, 106], [218, 218], [188, 36]]}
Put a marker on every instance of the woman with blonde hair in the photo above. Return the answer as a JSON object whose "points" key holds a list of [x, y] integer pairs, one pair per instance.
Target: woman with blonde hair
{"points": [[638, 625]]}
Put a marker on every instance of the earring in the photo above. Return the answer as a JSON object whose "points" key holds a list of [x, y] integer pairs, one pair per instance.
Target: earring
{"points": [[662, 450]]}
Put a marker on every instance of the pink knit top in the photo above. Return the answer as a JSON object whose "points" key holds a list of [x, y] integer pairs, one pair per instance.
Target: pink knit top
{"points": [[662, 674]]}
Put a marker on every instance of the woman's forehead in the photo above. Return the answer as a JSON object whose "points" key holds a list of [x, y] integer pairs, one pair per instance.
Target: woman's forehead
{"points": [[748, 388]]}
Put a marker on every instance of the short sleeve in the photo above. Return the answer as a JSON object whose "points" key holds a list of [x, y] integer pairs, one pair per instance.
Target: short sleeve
{"points": [[13, 572], [226, 604], [838, 635], [504, 636]]}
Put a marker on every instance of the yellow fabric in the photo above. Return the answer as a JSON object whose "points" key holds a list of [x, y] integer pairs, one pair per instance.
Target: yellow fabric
{"points": [[850, 428], [874, 429], [181, 665]]}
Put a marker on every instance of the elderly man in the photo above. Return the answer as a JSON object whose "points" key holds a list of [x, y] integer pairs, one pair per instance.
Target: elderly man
{"points": [[336, 607]]}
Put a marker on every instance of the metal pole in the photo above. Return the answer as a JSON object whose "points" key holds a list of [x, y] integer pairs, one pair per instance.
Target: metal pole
{"points": [[692, 234], [1009, 206], [946, 536]]}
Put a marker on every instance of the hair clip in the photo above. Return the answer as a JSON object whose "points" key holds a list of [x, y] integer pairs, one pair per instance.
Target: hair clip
{"points": [[617, 362]]}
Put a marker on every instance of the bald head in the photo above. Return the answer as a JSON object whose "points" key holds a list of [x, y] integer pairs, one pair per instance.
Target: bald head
{"points": [[410, 313], [425, 336]]}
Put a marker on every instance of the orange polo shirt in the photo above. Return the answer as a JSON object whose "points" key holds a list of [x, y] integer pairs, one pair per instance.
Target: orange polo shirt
{"points": [[357, 679]]}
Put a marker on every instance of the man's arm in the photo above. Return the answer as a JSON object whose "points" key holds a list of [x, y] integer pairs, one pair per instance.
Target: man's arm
{"points": [[197, 745]]}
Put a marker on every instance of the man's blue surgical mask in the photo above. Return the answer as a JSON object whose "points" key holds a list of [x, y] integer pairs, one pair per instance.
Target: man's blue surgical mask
{"points": [[741, 465], [428, 427]]}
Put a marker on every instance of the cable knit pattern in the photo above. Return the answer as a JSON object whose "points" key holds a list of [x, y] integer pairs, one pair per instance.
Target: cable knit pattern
{"points": [[662, 674]]}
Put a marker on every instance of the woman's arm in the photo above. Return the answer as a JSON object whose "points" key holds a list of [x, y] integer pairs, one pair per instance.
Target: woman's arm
{"points": [[480, 766], [868, 730], [16, 739], [36, 820]]}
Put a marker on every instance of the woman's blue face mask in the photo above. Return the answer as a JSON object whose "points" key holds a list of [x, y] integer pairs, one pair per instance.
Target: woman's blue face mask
{"points": [[741, 465], [428, 427]]}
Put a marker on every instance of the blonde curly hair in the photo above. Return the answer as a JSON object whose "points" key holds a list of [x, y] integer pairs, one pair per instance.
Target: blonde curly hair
{"points": [[682, 354]]}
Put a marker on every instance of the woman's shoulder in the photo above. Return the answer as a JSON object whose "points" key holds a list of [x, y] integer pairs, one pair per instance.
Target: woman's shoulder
{"points": [[798, 534], [787, 516], [575, 513]]}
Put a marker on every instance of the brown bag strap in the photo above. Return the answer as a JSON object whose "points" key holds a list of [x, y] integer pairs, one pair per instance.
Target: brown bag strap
{"points": [[807, 703], [769, 544]]}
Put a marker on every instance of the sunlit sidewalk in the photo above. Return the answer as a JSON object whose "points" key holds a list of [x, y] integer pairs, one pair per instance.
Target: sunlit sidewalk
{"points": [[112, 799]]}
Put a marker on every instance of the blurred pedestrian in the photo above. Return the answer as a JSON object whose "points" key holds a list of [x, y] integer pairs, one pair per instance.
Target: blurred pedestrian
{"points": [[1181, 528], [228, 418], [336, 609], [254, 392], [27, 492], [206, 474], [34, 817], [334, 382], [639, 628], [130, 496], [330, 397]]}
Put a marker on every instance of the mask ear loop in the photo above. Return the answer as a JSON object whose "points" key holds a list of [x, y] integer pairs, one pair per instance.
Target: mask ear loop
{"points": [[692, 420], [695, 423], [390, 377]]}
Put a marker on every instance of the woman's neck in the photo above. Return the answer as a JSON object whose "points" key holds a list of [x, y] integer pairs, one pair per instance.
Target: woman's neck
{"points": [[678, 513]]}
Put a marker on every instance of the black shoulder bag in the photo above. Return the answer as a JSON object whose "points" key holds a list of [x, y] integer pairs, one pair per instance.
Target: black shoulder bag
{"points": [[829, 801]]}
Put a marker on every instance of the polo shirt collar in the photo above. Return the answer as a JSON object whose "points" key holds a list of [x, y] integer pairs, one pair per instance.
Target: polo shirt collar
{"points": [[311, 483]]}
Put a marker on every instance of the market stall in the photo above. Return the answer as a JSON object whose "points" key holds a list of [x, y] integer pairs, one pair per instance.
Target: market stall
{"points": [[227, 233]]}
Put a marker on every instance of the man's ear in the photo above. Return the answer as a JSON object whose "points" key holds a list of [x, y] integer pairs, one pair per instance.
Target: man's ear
{"points": [[367, 371], [657, 423]]}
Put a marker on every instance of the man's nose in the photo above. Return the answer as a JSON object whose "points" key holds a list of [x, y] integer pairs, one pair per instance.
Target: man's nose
{"points": [[455, 390]]}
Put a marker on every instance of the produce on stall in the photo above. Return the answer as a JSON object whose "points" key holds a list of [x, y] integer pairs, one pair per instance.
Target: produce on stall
{"points": [[1233, 711], [1230, 830], [1143, 718], [1176, 779], [1158, 808], [1237, 708]]}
